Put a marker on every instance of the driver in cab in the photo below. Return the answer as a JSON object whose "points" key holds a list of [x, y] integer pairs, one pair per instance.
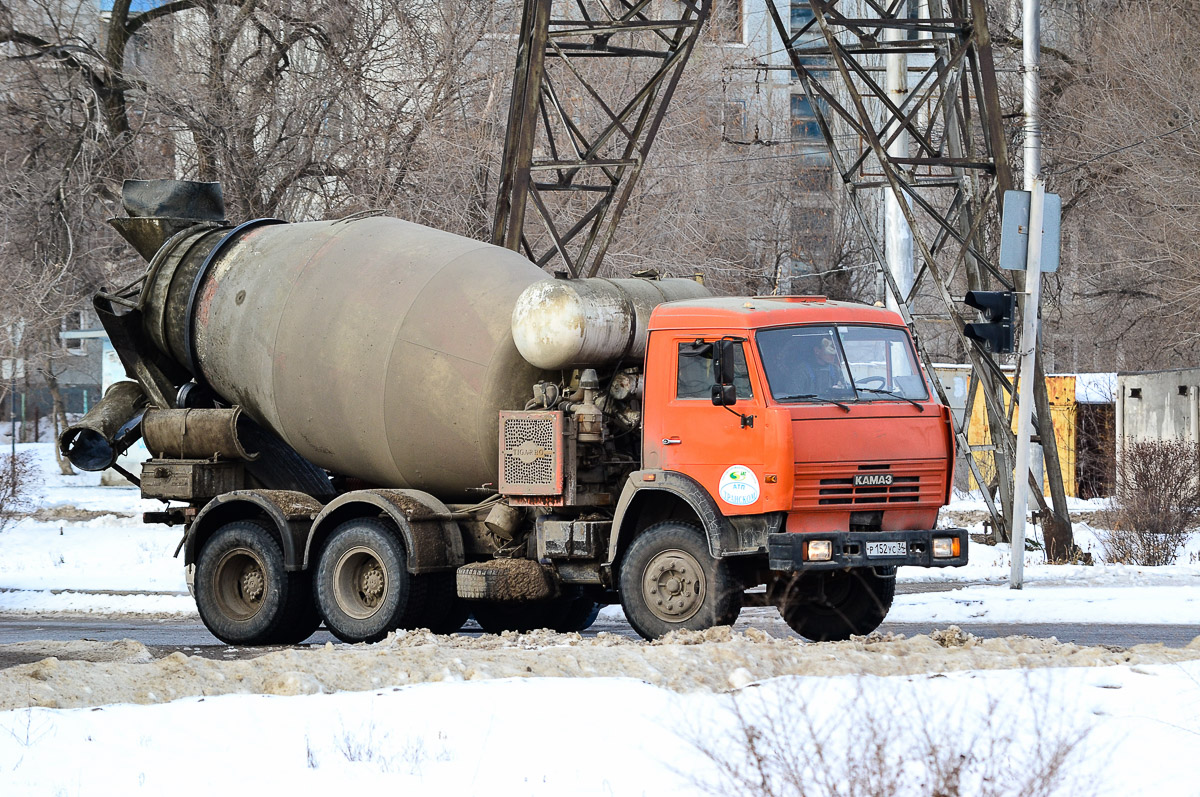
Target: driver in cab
{"points": [[822, 369]]}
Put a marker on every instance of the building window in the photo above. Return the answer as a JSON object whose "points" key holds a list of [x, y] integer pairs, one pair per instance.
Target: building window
{"points": [[802, 14], [804, 120], [72, 323], [802, 23]]}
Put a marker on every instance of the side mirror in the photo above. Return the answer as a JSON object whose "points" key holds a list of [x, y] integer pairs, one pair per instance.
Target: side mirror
{"points": [[724, 395], [724, 354]]}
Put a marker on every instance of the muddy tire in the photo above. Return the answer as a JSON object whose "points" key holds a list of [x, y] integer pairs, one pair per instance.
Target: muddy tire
{"points": [[496, 617], [835, 605], [242, 588], [363, 587], [575, 611], [669, 582], [445, 612], [302, 617]]}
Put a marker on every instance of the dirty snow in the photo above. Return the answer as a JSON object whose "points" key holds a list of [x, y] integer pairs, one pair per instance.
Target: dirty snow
{"points": [[559, 714]]}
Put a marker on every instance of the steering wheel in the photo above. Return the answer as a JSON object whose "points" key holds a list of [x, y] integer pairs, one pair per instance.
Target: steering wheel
{"points": [[869, 381]]}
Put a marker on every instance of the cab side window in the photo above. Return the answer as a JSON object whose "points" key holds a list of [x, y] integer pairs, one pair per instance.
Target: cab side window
{"points": [[695, 374]]}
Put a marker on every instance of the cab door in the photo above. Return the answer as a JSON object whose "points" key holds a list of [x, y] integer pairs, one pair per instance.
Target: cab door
{"points": [[720, 447]]}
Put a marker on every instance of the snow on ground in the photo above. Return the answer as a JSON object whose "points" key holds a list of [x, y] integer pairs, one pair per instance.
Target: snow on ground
{"points": [[620, 736], [512, 716]]}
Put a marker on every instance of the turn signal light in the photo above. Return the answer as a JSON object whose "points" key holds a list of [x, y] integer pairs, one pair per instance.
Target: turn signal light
{"points": [[818, 550], [946, 547]]}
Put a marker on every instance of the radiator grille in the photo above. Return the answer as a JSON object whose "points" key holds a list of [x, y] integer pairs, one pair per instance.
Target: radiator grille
{"points": [[903, 489], [530, 458], [830, 484]]}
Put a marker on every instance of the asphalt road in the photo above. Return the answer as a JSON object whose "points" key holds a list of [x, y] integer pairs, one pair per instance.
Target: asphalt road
{"points": [[192, 638]]}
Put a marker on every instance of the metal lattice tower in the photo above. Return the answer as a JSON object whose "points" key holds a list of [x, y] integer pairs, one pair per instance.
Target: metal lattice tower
{"points": [[575, 145], [949, 184]]}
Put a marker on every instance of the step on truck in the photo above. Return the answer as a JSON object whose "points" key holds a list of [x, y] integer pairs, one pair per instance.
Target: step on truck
{"points": [[376, 425]]}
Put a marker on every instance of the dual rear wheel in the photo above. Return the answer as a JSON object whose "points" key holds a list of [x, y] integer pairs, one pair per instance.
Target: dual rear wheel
{"points": [[244, 593], [360, 587]]}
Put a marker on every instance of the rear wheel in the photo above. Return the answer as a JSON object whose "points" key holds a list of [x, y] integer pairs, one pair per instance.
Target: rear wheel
{"points": [[445, 612], [243, 592], [364, 589], [575, 611], [670, 582], [835, 605], [496, 617], [303, 619]]}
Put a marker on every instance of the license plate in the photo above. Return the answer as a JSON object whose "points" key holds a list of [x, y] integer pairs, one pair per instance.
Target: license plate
{"points": [[887, 549]]}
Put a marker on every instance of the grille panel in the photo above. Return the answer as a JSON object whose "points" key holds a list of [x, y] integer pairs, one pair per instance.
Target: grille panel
{"points": [[826, 485], [530, 453]]}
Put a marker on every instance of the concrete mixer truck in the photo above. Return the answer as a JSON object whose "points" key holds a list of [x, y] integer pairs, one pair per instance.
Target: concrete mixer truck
{"points": [[375, 425]]}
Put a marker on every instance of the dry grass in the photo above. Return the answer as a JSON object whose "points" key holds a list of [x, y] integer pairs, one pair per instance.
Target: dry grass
{"points": [[875, 750], [16, 477]]}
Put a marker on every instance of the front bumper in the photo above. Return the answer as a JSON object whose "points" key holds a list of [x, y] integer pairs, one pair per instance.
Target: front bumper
{"points": [[786, 550]]}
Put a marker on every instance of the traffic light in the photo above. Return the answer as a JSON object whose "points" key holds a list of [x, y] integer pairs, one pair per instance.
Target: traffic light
{"points": [[998, 307]]}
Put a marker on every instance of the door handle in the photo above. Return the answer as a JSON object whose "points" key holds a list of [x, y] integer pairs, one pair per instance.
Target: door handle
{"points": [[671, 441]]}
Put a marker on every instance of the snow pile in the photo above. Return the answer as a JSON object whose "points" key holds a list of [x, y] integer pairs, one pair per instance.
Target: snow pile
{"points": [[1120, 730], [715, 660]]}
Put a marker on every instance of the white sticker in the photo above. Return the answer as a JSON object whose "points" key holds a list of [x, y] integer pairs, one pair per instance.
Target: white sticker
{"points": [[739, 486]]}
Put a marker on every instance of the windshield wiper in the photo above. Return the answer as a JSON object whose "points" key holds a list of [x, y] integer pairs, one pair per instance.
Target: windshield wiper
{"points": [[890, 393], [813, 397]]}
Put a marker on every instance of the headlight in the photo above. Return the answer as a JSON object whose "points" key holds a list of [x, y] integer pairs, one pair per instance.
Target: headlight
{"points": [[818, 550], [946, 547]]}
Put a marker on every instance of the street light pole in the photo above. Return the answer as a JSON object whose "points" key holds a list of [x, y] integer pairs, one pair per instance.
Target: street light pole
{"points": [[1033, 287]]}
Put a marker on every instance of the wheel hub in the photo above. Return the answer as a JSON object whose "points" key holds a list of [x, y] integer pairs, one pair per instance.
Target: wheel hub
{"points": [[253, 584], [239, 584], [673, 585], [360, 582], [371, 586]]}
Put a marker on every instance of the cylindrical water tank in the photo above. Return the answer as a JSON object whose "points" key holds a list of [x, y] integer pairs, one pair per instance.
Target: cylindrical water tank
{"points": [[376, 348], [591, 322]]}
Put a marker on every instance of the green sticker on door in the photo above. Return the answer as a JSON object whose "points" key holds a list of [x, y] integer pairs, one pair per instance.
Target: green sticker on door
{"points": [[739, 486]]}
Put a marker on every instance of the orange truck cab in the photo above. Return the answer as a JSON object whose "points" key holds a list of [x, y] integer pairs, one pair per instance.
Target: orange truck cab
{"points": [[828, 452]]}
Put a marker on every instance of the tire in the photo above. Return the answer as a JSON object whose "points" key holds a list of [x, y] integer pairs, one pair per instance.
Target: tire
{"points": [[575, 611], [243, 592], [496, 617], [445, 612], [363, 587], [303, 619], [835, 605], [669, 582]]}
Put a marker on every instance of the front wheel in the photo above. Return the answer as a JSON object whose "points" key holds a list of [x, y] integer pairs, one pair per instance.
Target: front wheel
{"points": [[363, 587], [670, 582], [835, 605], [242, 588]]}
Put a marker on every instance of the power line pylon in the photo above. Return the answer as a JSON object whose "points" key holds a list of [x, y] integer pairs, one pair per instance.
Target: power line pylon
{"points": [[949, 184], [575, 145]]}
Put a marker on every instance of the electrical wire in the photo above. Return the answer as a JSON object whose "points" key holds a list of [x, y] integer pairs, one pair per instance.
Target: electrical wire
{"points": [[715, 185], [1114, 151]]}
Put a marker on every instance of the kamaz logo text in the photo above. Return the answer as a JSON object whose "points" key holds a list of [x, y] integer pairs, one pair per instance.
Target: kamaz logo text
{"points": [[873, 480]]}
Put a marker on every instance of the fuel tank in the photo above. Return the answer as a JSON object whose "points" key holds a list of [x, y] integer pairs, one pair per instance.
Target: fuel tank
{"points": [[377, 348]]}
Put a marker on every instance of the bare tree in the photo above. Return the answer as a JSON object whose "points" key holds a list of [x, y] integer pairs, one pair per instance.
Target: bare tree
{"points": [[1123, 141], [321, 109]]}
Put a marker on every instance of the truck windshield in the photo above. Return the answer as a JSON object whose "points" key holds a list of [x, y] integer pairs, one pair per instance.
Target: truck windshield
{"points": [[840, 363]]}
